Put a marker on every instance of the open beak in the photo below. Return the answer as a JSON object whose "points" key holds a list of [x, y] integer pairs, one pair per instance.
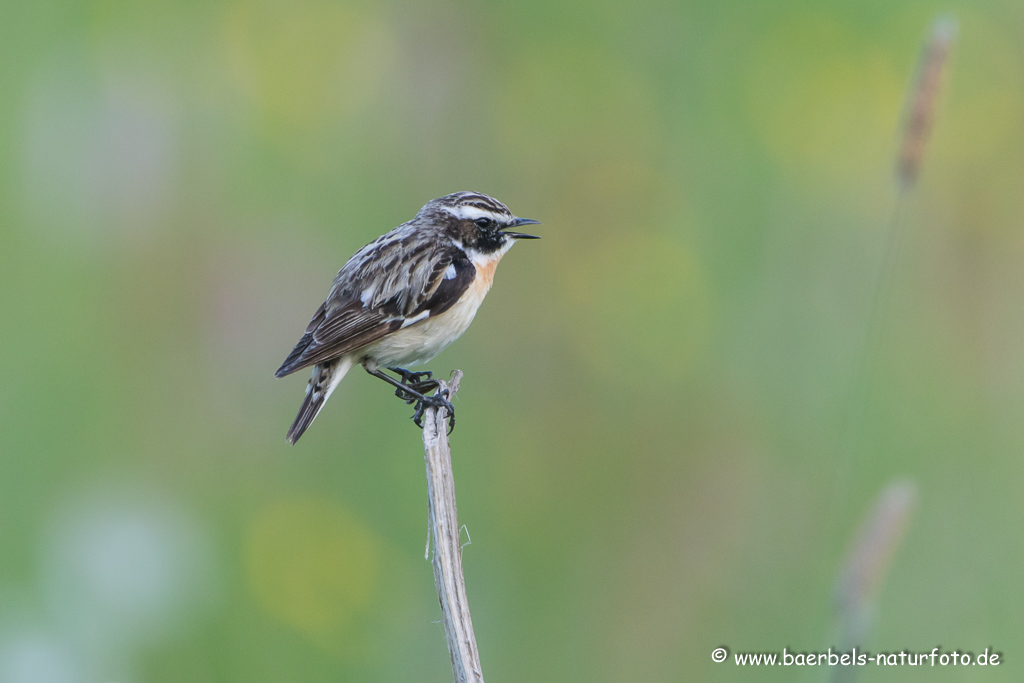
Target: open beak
{"points": [[521, 235]]}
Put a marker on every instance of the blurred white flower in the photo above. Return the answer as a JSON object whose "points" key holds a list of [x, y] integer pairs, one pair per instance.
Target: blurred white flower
{"points": [[29, 657], [124, 568]]}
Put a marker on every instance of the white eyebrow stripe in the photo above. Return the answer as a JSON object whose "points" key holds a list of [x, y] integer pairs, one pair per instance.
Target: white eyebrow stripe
{"points": [[472, 213], [449, 272]]}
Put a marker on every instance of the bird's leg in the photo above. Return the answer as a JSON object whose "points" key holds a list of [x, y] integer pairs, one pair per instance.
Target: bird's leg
{"points": [[409, 378], [417, 392], [403, 391]]}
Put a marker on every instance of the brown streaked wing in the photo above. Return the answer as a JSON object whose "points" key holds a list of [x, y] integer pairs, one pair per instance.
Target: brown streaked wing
{"points": [[318, 318], [344, 330], [352, 325], [403, 283], [395, 275], [293, 361]]}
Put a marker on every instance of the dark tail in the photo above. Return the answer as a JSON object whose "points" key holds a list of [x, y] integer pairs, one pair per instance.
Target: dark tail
{"points": [[323, 381]]}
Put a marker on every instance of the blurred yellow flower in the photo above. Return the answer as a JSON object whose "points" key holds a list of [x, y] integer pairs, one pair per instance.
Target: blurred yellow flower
{"points": [[823, 98], [312, 565]]}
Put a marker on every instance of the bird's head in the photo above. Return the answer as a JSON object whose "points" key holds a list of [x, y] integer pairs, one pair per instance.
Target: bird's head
{"points": [[480, 223]]}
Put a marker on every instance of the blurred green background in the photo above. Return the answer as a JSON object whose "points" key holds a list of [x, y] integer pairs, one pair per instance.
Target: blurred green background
{"points": [[666, 436]]}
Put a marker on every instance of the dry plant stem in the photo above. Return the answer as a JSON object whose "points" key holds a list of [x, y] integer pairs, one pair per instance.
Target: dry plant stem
{"points": [[859, 392], [922, 102], [447, 558], [864, 569]]}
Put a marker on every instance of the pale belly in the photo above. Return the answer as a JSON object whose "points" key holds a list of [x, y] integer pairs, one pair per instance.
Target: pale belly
{"points": [[422, 341]]}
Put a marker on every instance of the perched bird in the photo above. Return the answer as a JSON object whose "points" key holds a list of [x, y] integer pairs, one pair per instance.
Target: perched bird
{"points": [[402, 299]]}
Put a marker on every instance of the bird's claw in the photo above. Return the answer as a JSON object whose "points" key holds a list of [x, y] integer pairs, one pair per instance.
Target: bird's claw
{"points": [[437, 401], [413, 388]]}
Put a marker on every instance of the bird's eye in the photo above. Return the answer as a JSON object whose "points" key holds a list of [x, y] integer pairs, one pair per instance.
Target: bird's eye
{"points": [[484, 222]]}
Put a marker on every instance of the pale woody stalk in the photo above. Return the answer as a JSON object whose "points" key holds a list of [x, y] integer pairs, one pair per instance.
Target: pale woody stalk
{"points": [[447, 557]]}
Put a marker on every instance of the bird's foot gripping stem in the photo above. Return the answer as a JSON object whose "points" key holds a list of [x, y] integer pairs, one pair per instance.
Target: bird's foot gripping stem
{"points": [[439, 400], [412, 389]]}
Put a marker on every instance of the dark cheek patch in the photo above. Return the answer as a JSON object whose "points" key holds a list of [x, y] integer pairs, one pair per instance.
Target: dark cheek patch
{"points": [[489, 242]]}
